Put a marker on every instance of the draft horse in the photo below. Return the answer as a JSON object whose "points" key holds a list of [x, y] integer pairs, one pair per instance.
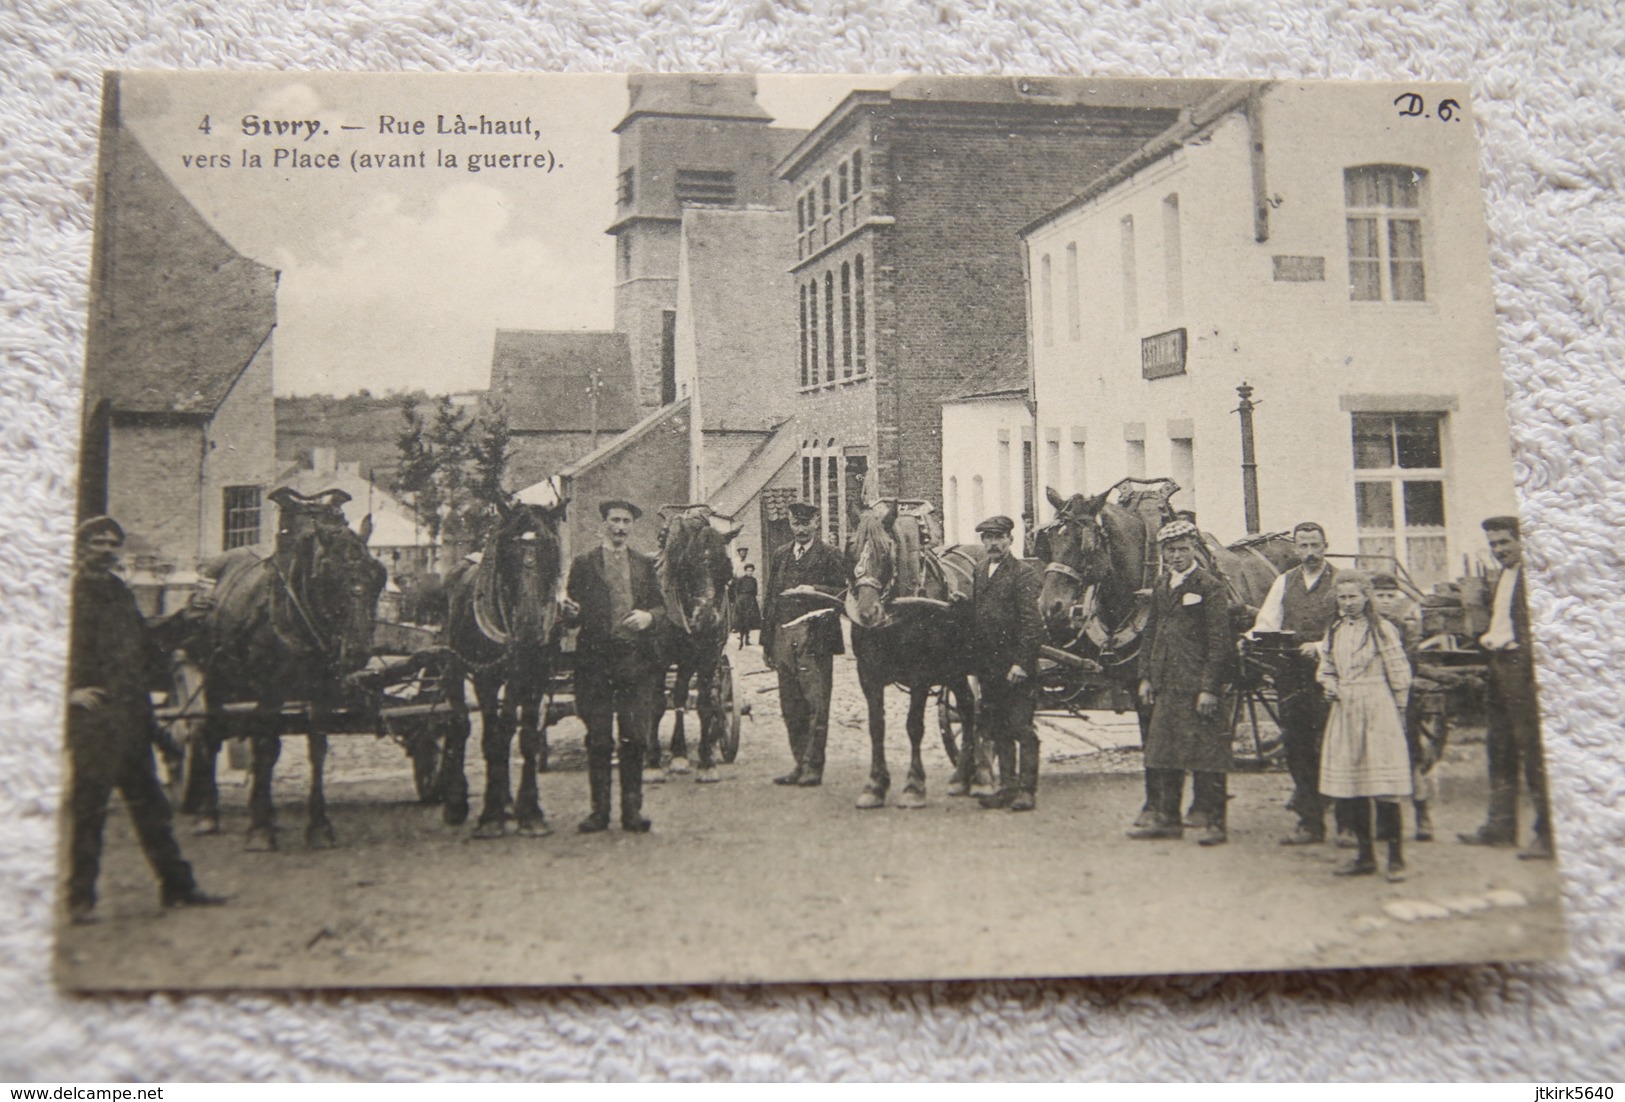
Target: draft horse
{"points": [[696, 579], [500, 616], [291, 626], [906, 631], [1102, 559]]}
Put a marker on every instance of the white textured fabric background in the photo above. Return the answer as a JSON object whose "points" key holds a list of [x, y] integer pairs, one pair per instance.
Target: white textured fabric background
{"points": [[1548, 85]]}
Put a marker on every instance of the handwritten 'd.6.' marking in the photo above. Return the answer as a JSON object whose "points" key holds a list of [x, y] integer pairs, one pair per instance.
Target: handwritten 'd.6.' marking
{"points": [[1413, 106]]}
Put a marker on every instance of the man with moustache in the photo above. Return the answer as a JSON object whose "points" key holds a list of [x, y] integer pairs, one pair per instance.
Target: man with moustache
{"points": [[614, 595], [1006, 632], [1512, 741], [1302, 601], [801, 638]]}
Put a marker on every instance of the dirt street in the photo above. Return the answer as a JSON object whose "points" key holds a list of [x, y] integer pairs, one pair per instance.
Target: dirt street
{"points": [[746, 881]]}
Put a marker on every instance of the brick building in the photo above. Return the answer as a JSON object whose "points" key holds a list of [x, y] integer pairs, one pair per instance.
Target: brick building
{"points": [[179, 431], [910, 277]]}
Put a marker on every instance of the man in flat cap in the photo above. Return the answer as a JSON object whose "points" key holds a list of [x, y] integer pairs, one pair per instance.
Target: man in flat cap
{"points": [[1512, 740], [801, 638], [114, 662], [1006, 632], [614, 596], [1187, 653]]}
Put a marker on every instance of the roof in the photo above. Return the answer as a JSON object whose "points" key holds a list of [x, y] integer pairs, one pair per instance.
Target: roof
{"points": [[1069, 94], [1011, 394], [692, 95], [393, 524], [625, 440], [177, 313], [1231, 96], [758, 469], [542, 380]]}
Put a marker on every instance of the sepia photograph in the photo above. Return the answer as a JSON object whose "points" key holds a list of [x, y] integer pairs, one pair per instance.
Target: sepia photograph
{"points": [[545, 530]]}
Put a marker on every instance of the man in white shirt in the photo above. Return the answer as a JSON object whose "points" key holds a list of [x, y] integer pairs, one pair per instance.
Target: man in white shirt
{"points": [[1512, 741], [1302, 602]]}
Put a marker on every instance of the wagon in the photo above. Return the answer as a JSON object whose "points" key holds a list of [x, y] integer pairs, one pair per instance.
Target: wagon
{"points": [[398, 696]]}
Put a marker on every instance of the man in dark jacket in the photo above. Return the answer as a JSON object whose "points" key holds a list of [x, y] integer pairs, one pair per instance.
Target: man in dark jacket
{"points": [[615, 597], [801, 637], [1186, 655], [1512, 737], [1006, 632], [113, 664]]}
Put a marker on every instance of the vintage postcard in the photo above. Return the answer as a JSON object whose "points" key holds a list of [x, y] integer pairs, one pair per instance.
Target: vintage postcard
{"points": [[541, 529]]}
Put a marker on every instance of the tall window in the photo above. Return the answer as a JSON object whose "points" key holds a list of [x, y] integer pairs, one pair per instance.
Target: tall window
{"points": [[1080, 473], [242, 519], [824, 190], [951, 507], [1074, 320], [812, 333], [846, 320], [623, 256], [1131, 286], [832, 498], [806, 474], [978, 498], [1134, 458], [1385, 233], [623, 192], [804, 335], [817, 481], [1182, 461], [844, 195], [860, 321], [1173, 256], [1046, 303], [857, 172], [829, 327], [1052, 459], [1399, 492]]}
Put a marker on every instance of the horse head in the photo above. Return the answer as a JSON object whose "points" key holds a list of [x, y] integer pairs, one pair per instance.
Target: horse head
{"points": [[1077, 550], [874, 563], [696, 572], [519, 573], [340, 583]]}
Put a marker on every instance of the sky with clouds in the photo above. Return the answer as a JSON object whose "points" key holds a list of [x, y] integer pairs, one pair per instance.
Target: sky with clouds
{"points": [[398, 278]]}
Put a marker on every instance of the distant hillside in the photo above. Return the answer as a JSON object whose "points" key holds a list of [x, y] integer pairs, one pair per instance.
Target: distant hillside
{"points": [[362, 427]]}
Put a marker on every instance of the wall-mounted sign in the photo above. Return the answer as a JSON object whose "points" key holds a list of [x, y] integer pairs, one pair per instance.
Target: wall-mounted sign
{"points": [[1300, 269], [1163, 355]]}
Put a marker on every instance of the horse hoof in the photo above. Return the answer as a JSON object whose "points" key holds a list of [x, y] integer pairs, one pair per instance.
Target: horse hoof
{"points": [[870, 799], [678, 767], [707, 776], [910, 799], [261, 841], [454, 814], [536, 829], [958, 788], [979, 789], [654, 776], [206, 826], [487, 831], [320, 836]]}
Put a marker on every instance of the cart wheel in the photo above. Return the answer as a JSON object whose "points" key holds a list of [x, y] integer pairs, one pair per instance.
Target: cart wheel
{"points": [[951, 722], [728, 707], [424, 750], [1258, 743]]}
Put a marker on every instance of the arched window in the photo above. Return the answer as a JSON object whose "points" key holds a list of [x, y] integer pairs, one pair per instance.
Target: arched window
{"points": [[1384, 220], [812, 333], [804, 335], [829, 327], [860, 321]]}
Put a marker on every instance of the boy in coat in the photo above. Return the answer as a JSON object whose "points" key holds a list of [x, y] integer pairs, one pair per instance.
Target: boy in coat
{"points": [[1185, 659]]}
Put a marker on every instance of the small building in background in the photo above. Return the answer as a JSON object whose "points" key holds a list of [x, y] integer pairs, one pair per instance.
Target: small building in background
{"points": [[987, 462], [179, 430]]}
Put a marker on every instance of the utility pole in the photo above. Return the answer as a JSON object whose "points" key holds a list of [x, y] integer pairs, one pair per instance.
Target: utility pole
{"points": [[595, 381], [1249, 461]]}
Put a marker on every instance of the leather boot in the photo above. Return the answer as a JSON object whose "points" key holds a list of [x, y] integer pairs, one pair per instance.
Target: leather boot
{"points": [[598, 785], [632, 819]]}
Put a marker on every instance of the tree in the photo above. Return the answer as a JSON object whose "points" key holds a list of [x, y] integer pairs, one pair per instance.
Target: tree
{"points": [[453, 467]]}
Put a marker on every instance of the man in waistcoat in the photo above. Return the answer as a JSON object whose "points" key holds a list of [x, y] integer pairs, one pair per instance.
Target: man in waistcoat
{"points": [[615, 597], [1006, 632], [801, 638], [1512, 740], [1303, 601]]}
